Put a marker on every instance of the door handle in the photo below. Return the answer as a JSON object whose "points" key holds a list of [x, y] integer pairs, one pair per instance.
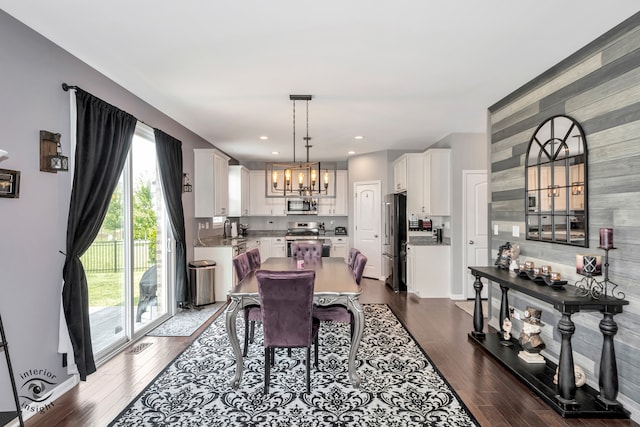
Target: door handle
{"points": [[471, 242]]}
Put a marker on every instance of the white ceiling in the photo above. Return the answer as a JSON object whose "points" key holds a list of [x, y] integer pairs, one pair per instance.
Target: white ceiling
{"points": [[402, 73]]}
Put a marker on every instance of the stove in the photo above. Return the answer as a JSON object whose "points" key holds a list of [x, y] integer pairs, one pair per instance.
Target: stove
{"points": [[303, 230], [306, 231]]}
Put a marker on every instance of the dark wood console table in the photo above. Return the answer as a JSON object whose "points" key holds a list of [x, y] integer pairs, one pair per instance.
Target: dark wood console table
{"points": [[565, 397]]}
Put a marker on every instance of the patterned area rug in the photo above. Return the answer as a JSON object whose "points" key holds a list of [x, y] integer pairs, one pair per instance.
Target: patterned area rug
{"points": [[186, 322], [400, 386]]}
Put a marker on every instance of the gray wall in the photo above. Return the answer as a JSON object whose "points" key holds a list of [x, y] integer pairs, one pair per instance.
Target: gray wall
{"points": [[599, 86], [33, 227]]}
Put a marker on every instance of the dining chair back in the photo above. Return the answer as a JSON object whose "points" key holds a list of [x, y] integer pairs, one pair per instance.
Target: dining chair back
{"points": [[253, 255], [358, 268], [242, 266], [352, 257], [306, 250], [252, 313], [286, 299]]}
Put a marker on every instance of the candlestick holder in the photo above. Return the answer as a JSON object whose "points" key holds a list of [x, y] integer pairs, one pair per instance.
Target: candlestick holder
{"points": [[597, 289]]}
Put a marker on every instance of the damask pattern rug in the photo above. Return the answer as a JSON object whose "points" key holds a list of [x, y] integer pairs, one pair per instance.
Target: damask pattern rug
{"points": [[400, 386]]}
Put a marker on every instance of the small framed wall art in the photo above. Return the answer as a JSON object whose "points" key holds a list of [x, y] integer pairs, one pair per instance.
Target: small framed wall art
{"points": [[9, 183]]}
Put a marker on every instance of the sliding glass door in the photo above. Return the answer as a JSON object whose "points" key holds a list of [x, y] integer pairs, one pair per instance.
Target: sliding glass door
{"points": [[127, 265]]}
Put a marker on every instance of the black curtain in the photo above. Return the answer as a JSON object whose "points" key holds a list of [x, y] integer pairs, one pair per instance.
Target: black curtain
{"points": [[104, 135], [169, 152]]}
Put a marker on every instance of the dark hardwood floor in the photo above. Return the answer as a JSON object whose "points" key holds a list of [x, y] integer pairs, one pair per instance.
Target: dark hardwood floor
{"points": [[493, 395]]}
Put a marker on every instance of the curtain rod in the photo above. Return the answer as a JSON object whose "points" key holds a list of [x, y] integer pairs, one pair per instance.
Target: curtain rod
{"points": [[66, 88]]}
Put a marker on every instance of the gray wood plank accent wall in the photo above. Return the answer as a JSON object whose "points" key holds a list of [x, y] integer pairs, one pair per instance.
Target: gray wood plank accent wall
{"points": [[599, 86]]}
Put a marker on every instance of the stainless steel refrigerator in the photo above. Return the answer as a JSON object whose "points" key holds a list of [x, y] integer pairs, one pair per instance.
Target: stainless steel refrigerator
{"points": [[395, 241]]}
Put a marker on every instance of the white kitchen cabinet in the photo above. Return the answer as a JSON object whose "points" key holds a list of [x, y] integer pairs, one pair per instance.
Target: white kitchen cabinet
{"points": [[263, 244], [259, 204], [339, 247], [224, 272], [278, 247], [429, 271], [415, 185], [211, 183], [239, 191], [338, 205], [437, 181], [400, 174]]}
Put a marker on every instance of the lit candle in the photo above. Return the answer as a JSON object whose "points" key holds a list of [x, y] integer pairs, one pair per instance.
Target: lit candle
{"points": [[274, 176], [300, 178], [555, 276], [314, 175], [326, 177], [606, 238]]}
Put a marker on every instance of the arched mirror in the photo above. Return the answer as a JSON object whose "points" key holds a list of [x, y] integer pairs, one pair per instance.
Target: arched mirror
{"points": [[556, 183]]}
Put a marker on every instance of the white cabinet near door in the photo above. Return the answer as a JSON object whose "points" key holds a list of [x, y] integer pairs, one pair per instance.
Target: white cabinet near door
{"points": [[437, 181], [338, 205], [415, 185], [211, 183], [400, 174], [339, 247], [429, 271]]}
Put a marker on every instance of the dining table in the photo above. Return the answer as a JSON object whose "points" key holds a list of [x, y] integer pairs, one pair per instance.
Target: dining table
{"points": [[334, 284]]}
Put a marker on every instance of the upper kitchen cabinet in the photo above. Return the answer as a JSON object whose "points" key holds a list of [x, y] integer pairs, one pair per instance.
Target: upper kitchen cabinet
{"points": [[415, 185], [259, 204], [400, 174], [437, 181], [211, 183], [239, 191], [338, 206]]}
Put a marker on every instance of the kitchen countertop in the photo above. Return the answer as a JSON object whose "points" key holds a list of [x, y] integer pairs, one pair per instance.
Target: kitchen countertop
{"points": [[219, 241], [428, 241]]}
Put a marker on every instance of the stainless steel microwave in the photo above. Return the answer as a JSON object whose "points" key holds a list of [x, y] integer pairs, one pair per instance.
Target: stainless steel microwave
{"points": [[302, 206]]}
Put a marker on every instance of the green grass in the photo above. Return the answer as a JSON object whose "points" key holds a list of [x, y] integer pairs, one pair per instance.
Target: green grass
{"points": [[107, 289]]}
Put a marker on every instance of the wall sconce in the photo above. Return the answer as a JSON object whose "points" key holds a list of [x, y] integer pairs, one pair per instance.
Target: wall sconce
{"points": [[51, 158], [186, 185]]}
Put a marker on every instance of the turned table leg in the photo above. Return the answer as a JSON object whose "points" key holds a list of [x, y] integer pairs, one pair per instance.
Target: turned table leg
{"points": [[504, 308], [478, 317], [566, 374], [608, 378]]}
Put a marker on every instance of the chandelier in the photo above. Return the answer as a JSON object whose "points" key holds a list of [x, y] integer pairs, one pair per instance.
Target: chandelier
{"points": [[301, 178]]}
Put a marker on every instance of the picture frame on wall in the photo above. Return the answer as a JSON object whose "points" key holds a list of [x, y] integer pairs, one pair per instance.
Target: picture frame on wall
{"points": [[9, 183]]}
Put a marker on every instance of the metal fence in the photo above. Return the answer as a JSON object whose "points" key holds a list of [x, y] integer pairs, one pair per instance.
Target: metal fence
{"points": [[108, 256]]}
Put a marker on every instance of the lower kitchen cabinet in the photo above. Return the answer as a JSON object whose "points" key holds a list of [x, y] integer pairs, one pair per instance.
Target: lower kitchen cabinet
{"points": [[278, 247], [339, 247], [429, 271], [225, 274]]}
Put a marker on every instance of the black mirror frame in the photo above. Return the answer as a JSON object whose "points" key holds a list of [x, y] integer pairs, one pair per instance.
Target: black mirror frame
{"points": [[529, 200]]}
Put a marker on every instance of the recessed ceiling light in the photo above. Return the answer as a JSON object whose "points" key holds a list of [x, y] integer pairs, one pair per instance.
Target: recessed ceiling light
{"points": [[264, 137], [275, 153], [359, 137], [351, 152]]}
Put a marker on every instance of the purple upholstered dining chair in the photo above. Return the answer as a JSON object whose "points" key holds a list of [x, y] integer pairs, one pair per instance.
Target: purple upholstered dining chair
{"points": [[358, 267], [253, 255], [339, 313], [352, 257], [252, 313], [306, 250], [286, 298]]}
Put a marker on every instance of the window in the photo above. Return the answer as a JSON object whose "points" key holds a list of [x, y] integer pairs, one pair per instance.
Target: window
{"points": [[556, 183]]}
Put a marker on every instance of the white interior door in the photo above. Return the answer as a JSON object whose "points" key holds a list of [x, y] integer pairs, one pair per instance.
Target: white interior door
{"points": [[367, 232], [475, 226]]}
